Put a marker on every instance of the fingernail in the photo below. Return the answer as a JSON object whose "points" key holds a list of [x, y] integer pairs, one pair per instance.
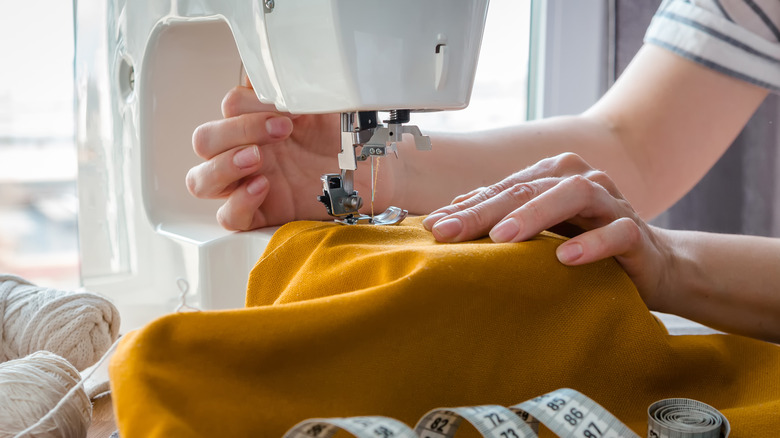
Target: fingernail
{"points": [[278, 126], [448, 228], [505, 231], [246, 157], [257, 185], [568, 253], [432, 219]]}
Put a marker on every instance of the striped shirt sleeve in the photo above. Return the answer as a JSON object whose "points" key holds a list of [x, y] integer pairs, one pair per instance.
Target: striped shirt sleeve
{"points": [[740, 38]]}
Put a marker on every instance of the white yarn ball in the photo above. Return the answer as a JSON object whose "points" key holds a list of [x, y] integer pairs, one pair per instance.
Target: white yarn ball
{"points": [[30, 387], [78, 326]]}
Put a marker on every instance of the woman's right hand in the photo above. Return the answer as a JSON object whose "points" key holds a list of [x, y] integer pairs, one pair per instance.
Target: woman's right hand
{"points": [[266, 165]]}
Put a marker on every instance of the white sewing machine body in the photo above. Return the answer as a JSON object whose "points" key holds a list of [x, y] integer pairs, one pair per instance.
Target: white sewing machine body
{"points": [[149, 72]]}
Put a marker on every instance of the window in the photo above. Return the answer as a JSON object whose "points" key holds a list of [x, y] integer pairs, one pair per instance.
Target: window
{"points": [[499, 96], [38, 205]]}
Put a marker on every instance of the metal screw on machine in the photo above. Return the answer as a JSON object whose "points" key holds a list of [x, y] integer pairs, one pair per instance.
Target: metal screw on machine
{"points": [[268, 5], [354, 202]]}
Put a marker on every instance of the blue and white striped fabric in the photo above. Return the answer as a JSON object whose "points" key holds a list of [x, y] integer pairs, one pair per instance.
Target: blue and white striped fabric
{"points": [[740, 38]]}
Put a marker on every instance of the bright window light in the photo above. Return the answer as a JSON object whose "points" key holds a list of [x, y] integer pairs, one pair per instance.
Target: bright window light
{"points": [[38, 205]]}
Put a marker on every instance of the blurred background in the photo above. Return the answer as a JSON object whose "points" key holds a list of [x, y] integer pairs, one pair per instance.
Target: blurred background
{"points": [[38, 204]]}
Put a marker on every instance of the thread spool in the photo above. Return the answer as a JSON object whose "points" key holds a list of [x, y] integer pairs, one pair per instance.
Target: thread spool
{"points": [[79, 326], [31, 386]]}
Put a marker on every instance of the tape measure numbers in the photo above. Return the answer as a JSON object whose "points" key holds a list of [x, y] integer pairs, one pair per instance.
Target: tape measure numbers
{"points": [[566, 412], [491, 421], [569, 413]]}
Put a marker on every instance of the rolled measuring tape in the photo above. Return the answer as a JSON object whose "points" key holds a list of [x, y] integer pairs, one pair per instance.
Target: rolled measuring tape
{"points": [[566, 412], [682, 418]]}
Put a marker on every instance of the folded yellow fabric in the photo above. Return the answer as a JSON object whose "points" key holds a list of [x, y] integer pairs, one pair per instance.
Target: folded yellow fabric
{"points": [[362, 320]]}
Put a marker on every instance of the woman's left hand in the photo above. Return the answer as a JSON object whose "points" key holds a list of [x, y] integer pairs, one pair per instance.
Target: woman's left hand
{"points": [[557, 190]]}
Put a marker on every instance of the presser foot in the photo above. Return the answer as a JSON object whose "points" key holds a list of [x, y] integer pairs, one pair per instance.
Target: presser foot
{"points": [[391, 216], [361, 130], [342, 202]]}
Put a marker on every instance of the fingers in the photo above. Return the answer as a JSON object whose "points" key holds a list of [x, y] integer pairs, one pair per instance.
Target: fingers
{"points": [[464, 202], [561, 166], [218, 176], [555, 191], [618, 237], [477, 220], [243, 100], [241, 211], [602, 179], [474, 214], [468, 195], [575, 199], [523, 210], [218, 136]]}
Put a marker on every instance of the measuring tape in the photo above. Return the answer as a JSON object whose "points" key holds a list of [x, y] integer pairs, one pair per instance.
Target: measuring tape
{"points": [[566, 412], [666, 418], [361, 427]]}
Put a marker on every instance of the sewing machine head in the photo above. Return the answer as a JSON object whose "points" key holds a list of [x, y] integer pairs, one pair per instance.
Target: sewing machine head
{"points": [[149, 71], [356, 58]]}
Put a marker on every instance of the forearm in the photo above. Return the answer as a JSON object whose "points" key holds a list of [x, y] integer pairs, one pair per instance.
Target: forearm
{"points": [[656, 133], [728, 282], [460, 163]]}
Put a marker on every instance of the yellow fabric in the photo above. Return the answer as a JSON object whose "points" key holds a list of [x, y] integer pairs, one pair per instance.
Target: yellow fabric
{"points": [[362, 320]]}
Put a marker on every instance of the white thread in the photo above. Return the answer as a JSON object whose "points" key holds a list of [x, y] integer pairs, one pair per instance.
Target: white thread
{"points": [[374, 178], [184, 289], [26, 396], [31, 386], [78, 326], [59, 420], [76, 390]]}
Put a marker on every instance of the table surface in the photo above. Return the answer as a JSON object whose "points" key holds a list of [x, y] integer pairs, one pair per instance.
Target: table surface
{"points": [[103, 424]]}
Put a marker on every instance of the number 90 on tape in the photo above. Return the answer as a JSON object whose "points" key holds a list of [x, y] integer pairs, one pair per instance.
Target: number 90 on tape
{"points": [[566, 412]]}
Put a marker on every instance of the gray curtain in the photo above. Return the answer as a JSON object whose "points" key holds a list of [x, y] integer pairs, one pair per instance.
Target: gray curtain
{"points": [[738, 195]]}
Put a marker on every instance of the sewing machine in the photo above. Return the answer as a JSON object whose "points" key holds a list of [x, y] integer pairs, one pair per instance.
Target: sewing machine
{"points": [[149, 72]]}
